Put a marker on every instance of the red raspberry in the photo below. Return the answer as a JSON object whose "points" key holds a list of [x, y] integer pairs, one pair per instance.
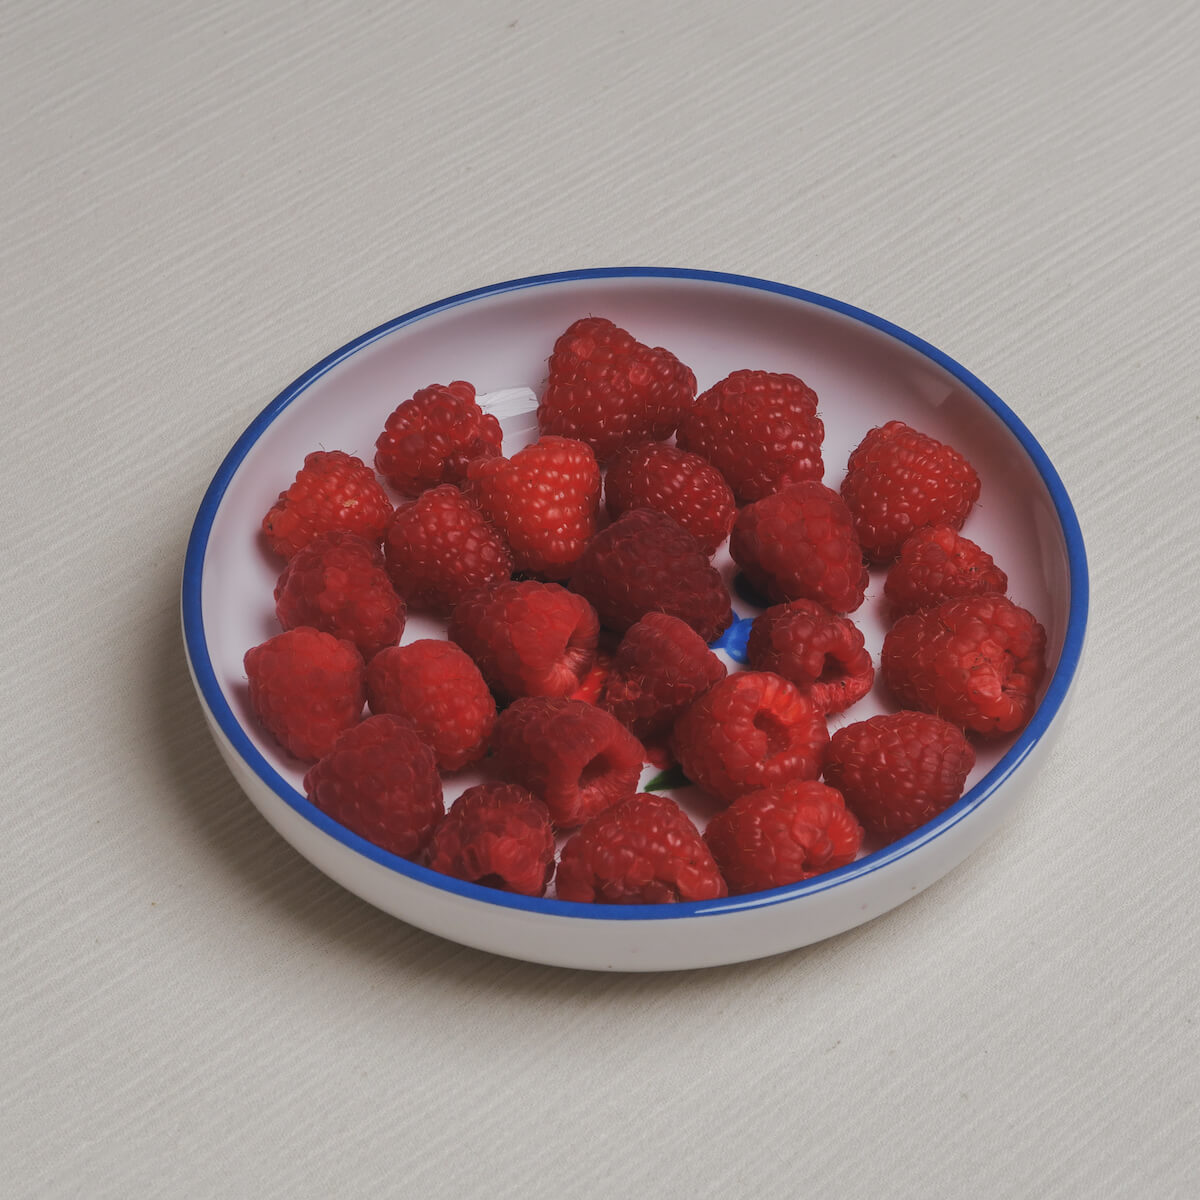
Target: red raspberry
{"points": [[572, 755], [976, 661], [306, 687], [899, 480], [440, 690], [380, 781], [751, 730], [672, 481], [898, 771], [543, 500], [497, 835], [938, 564], [645, 562], [528, 638], [641, 851], [760, 429], [781, 835], [430, 439], [821, 653], [661, 666], [337, 584], [799, 544], [609, 390], [439, 548], [333, 490]]}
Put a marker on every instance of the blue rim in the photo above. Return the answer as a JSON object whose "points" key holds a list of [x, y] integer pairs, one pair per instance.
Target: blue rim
{"points": [[1056, 692]]}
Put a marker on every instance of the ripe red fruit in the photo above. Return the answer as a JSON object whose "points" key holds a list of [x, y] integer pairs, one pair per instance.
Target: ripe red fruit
{"points": [[572, 755], [976, 661], [607, 389], [799, 544], [645, 562], [641, 851], [333, 490], [440, 547], [440, 690], [380, 781], [661, 666], [782, 835], [337, 584], [527, 638], [306, 687], [430, 439], [672, 481], [821, 653], [497, 835], [760, 429], [751, 730], [898, 771], [899, 480], [543, 500], [937, 564]]}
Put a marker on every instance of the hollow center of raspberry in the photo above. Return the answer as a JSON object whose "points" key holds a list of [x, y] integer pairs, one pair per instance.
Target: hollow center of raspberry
{"points": [[832, 671], [572, 665], [595, 772], [773, 729]]}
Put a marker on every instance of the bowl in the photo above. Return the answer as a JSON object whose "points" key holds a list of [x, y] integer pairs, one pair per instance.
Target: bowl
{"points": [[865, 371]]}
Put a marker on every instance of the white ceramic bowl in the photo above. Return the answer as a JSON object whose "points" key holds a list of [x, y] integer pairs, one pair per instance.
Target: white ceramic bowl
{"points": [[865, 371]]}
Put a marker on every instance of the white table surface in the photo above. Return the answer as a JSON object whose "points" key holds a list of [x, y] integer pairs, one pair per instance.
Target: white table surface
{"points": [[201, 200]]}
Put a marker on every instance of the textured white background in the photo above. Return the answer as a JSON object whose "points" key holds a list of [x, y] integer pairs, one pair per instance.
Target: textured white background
{"points": [[201, 200]]}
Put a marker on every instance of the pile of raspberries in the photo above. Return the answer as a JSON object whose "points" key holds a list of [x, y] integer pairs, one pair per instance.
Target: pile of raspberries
{"points": [[577, 645]]}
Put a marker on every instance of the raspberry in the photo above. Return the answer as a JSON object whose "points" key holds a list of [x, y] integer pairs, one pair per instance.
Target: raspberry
{"points": [[781, 835], [799, 544], [898, 771], [751, 730], [899, 480], [759, 429], [976, 661], [641, 851], [380, 781], [661, 666], [332, 490], [440, 690], [543, 500], [822, 654], [572, 755], [528, 638], [938, 564], [306, 687], [672, 481], [430, 439], [439, 548], [645, 562], [609, 390], [497, 835], [337, 584]]}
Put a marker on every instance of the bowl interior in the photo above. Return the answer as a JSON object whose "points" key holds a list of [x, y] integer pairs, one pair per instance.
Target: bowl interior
{"points": [[863, 375]]}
